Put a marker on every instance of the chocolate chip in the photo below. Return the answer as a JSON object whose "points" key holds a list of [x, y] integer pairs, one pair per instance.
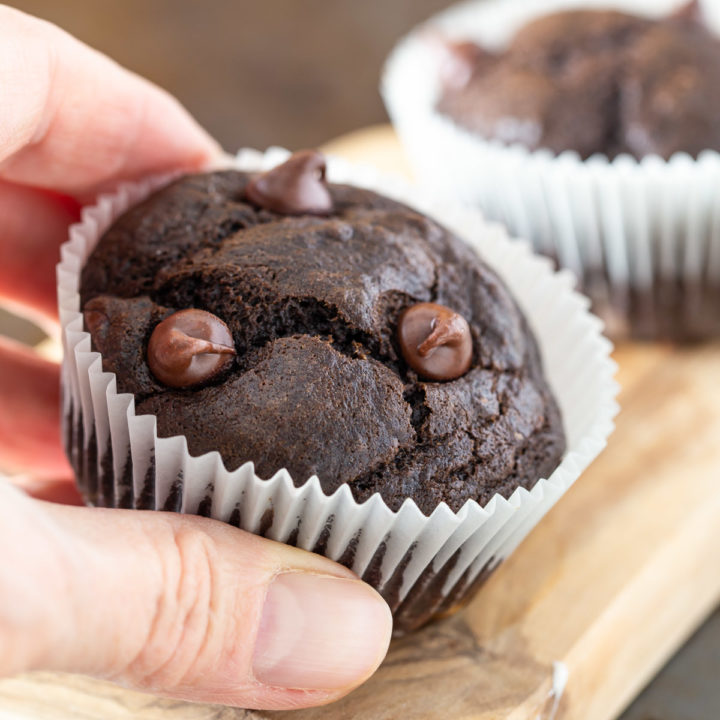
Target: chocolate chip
{"points": [[435, 341], [189, 347], [297, 187]]}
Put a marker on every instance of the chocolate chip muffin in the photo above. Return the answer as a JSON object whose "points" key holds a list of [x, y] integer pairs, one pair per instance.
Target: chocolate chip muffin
{"points": [[594, 81], [324, 329]]}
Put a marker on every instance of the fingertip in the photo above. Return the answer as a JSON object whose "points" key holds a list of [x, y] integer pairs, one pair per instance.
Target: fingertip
{"points": [[80, 122], [168, 136], [320, 633]]}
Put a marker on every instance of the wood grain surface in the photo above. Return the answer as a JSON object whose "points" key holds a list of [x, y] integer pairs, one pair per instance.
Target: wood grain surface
{"points": [[605, 589]]}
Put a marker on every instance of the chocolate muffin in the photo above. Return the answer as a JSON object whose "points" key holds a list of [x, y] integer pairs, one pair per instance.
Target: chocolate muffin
{"points": [[594, 81], [324, 329]]}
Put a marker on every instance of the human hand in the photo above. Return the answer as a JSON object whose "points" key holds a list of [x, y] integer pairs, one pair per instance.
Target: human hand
{"points": [[178, 605]]}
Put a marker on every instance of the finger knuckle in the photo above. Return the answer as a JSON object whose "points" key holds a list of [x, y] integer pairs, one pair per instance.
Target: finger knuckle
{"points": [[183, 633]]}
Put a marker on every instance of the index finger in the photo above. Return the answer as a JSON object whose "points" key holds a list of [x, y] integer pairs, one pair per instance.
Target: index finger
{"points": [[72, 120]]}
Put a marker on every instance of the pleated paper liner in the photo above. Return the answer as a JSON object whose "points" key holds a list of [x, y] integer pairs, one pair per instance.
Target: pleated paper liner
{"points": [[423, 566], [642, 237]]}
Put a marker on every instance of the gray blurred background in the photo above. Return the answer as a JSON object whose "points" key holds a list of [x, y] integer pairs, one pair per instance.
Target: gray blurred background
{"points": [[299, 73]]}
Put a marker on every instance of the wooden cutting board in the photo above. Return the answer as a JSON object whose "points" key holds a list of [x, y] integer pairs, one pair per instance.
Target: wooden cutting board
{"points": [[577, 621]]}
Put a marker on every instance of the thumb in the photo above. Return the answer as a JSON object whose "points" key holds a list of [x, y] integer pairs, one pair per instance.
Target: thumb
{"points": [[182, 606]]}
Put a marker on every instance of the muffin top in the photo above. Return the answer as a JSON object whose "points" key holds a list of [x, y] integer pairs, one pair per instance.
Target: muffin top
{"points": [[594, 81], [324, 329]]}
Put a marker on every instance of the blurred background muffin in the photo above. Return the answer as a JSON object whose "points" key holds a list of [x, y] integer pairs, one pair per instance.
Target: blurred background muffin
{"points": [[595, 81], [589, 128]]}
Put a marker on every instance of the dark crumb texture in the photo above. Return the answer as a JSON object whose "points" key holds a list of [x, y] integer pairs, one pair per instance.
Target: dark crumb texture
{"points": [[318, 385], [598, 82]]}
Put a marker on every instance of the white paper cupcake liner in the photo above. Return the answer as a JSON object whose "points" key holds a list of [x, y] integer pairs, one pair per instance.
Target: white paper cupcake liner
{"points": [[422, 565], [642, 236]]}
